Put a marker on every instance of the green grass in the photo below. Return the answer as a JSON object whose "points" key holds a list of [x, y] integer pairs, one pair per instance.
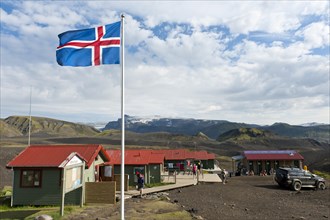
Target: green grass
{"points": [[6, 191], [325, 175], [30, 212], [224, 158]]}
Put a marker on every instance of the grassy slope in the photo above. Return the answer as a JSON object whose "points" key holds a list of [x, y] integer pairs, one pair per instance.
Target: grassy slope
{"points": [[48, 127]]}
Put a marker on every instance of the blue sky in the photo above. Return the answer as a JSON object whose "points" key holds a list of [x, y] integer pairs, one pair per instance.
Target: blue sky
{"points": [[244, 61]]}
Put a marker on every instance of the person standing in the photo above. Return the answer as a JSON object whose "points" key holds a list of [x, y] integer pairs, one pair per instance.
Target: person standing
{"points": [[194, 170], [140, 183], [223, 176], [200, 168]]}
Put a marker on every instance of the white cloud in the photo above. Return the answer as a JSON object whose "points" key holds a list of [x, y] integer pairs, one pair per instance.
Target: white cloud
{"points": [[316, 35], [204, 65]]}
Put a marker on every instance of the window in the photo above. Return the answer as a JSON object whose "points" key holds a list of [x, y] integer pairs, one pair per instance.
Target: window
{"points": [[31, 178]]}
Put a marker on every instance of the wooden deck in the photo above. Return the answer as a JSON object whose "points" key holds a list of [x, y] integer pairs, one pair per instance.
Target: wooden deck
{"points": [[181, 181]]}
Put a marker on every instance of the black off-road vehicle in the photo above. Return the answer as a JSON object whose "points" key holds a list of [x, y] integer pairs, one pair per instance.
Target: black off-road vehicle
{"points": [[296, 178]]}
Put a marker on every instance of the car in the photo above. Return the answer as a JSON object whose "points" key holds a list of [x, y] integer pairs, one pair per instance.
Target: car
{"points": [[296, 178]]}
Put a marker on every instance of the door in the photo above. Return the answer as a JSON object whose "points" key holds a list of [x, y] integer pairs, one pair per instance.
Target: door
{"points": [[268, 167], [251, 166], [259, 163], [308, 178]]}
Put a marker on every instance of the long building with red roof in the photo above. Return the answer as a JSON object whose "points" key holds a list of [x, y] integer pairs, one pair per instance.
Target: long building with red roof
{"points": [[152, 163], [265, 161], [138, 161], [39, 170]]}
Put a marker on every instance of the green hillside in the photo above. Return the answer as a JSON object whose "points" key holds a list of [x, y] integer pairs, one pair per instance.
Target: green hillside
{"points": [[41, 126], [244, 134], [7, 130]]}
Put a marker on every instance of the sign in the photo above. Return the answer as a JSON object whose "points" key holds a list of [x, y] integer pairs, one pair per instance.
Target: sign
{"points": [[73, 178], [74, 160]]}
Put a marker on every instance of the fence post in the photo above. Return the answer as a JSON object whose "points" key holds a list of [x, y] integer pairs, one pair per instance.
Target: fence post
{"points": [[197, 176]]}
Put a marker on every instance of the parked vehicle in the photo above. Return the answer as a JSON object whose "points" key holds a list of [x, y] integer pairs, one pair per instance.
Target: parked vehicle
{"points": [[296, 178]]}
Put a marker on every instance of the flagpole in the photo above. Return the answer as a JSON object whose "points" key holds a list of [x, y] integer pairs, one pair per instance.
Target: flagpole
{"points": [[122, 61], [30, 121]]}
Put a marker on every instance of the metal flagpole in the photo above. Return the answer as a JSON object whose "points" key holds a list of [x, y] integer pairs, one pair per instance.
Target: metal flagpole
{"points": [[122, 61], [29, 141]]}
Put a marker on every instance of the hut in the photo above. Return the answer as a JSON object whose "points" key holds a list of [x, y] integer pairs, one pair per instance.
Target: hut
{"points": [[42, 173]]}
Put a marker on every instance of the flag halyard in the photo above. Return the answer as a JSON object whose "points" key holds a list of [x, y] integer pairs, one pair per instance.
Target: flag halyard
{"points": [[90, 47]]}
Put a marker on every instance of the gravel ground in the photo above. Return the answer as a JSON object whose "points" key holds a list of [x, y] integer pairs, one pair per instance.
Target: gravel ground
{"points": [[254, 197], [240, 198]]}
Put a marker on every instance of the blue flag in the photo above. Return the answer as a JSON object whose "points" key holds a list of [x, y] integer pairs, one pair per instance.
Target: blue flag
{"points": [[90, 47]]}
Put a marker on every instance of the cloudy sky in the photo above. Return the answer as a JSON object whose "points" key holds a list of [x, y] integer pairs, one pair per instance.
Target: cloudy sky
{"points": [[243, 61]]}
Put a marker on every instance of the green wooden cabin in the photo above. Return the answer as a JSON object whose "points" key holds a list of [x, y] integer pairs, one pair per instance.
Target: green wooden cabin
{"points": [[39, 172]]}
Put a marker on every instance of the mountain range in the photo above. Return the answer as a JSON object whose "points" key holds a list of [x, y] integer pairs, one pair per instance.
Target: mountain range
{"points": [[223, 138], [214, 128]]}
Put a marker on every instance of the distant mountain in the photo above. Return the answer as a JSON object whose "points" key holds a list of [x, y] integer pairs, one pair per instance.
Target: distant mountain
{"points": [[44, 127], [214, 128], [211, 128], [312, 124], [317, 132], [244, 134], [97, 125]]}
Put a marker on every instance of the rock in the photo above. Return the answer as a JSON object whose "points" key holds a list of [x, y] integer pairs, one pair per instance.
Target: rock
{"points": [[166, 198], [325, 216], [246, 209], [175, 201], [192, 210], [198, 217], [43, 217]]}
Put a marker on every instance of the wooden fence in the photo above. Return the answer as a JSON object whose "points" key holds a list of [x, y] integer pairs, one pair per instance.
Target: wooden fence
{"points": [[100, 192], [118, 182], [169, 178]]}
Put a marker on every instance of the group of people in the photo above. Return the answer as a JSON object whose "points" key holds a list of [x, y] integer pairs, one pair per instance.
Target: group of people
{"points": [[194, 169], [197, 169]]}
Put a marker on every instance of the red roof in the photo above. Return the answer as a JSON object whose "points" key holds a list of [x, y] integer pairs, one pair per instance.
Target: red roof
{"points": [[203, 155], [146, 156], [54, 155], [173, 154], [184, 154], [273, 155], [135, 157]]}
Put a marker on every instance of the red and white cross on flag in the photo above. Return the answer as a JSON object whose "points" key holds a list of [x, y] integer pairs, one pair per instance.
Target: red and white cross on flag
{"points": [[90, 47]]}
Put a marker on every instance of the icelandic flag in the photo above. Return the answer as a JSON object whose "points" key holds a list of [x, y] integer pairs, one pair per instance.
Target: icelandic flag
{"points": [[90, 47]]}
